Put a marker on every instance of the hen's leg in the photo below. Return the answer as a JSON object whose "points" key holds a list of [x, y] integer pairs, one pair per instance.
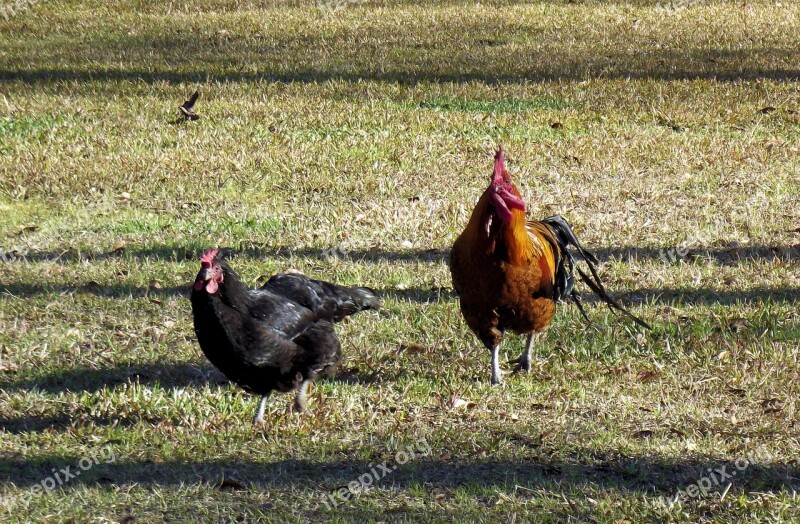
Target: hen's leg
{"points": [[300, 399], [524, 362], [259, 418], [496, 373]]}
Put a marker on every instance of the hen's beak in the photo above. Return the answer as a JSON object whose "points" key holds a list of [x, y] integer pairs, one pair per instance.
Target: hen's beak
{"points": [[206, 274]]}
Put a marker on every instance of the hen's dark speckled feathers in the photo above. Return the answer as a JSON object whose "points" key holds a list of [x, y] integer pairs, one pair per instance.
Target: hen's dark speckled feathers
{"points": [[274, 337]]}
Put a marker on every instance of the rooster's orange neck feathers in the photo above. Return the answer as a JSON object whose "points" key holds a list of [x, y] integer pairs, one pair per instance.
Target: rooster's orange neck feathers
{"points": [[515, 241]]}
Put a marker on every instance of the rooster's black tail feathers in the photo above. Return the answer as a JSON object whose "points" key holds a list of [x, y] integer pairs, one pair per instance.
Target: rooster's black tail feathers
{"points": [[565, 280]]}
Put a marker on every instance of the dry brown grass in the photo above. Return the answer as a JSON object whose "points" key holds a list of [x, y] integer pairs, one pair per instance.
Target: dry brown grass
{"points": [[352, 145]]}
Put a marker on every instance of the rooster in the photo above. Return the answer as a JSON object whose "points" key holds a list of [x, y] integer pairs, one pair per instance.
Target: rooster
{"points": [[278, 337], [509, 273]]}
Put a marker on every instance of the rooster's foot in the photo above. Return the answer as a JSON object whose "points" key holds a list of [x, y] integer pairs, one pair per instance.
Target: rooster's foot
{"points": [[523, 364], [497, 374], [524, 360]]}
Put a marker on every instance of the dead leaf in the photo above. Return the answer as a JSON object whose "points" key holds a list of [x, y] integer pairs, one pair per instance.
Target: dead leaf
{"points": [[231, 483], [771, 403], [556, 125], [26, 229], [8, 367], [117, 249], [738, 325], [647, 376], [459, 403], [676, 431], [766, 110], [411, 348]]}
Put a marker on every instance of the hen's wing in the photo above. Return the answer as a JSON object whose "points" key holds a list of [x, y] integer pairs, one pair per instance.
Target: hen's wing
{"points": [[279, 313], [311, 352]]}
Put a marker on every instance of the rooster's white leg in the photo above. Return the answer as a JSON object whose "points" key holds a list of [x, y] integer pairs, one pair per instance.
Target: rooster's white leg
{"points": [[259, 418], [300, 399], [524, 362], [496, 373]]}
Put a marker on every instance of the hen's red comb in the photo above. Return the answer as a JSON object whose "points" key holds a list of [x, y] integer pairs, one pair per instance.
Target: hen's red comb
{"points": [[499, 162], [208, 257]]}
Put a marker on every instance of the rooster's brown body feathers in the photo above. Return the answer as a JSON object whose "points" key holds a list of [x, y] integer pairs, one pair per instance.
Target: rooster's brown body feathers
{"points": [[509, 273], [503, 276]]}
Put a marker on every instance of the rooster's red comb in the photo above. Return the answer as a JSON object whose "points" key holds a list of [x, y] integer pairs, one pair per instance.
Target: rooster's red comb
{"points": [[499, 162], [208, 257]]}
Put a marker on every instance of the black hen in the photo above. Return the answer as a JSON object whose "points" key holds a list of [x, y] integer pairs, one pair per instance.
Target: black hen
{"points": [[278, 337]]}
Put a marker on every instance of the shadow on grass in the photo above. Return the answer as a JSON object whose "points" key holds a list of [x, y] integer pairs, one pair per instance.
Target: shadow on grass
{"points": [[445, 49], [639, 474], [479, 63], [720, 256], [36, 76], [168, 376], [668, 255], [427, 295]]}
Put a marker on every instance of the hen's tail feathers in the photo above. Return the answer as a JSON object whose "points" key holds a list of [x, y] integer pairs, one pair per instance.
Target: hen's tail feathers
{"points": [[565, 281], [327, 300], [342, 301], [363, 298]]}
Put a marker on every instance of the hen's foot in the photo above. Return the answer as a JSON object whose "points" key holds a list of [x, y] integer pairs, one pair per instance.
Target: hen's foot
{"points": [[259, 418], [300, 401]]}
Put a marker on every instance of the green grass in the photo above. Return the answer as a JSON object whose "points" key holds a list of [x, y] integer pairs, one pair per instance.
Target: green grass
{"points": [[351, 145]]}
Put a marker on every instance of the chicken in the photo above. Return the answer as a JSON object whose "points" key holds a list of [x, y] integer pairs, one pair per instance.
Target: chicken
{"points": [[187, 108], [278, 337], [509, 274]]}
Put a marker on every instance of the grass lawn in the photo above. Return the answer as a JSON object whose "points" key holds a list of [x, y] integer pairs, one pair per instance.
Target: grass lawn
{"points": [[350, 140]]}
